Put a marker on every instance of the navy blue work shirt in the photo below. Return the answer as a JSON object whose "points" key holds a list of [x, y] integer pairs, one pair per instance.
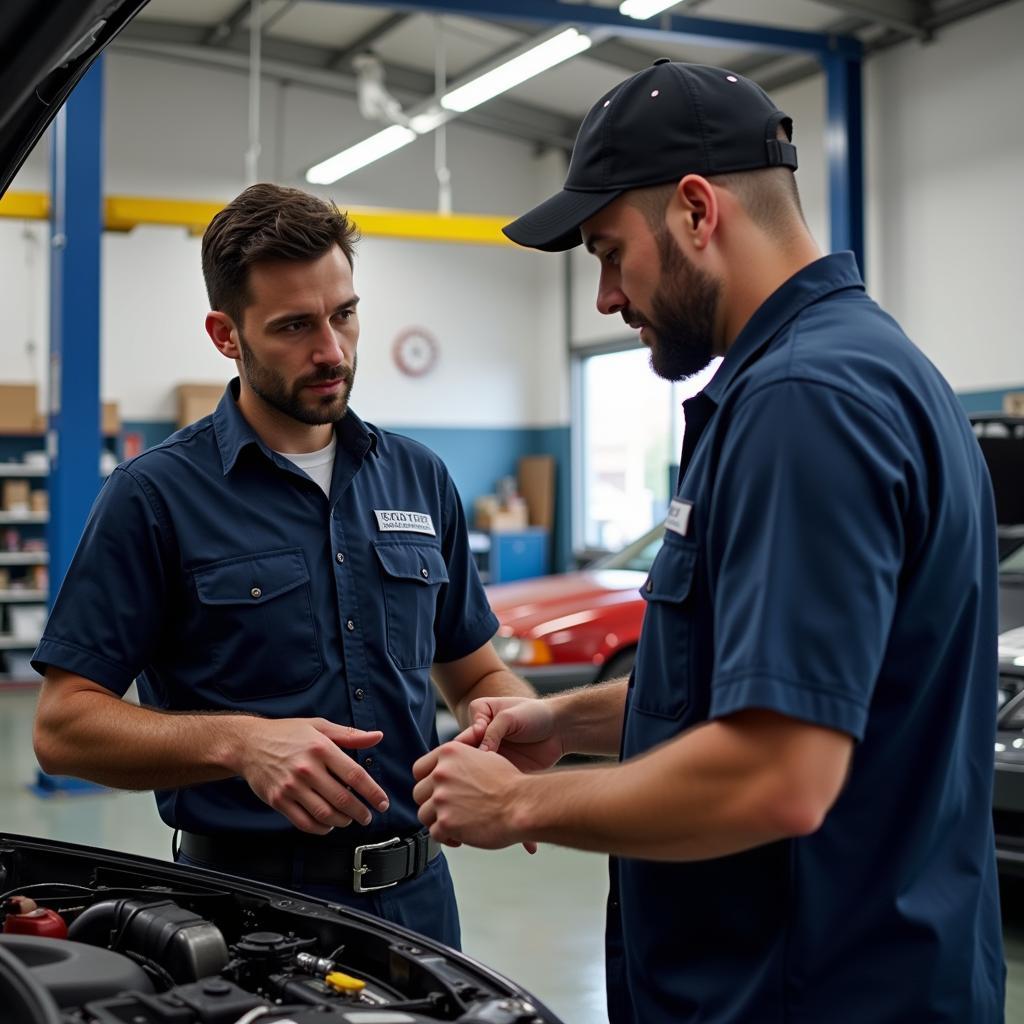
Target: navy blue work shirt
{"points": [[221, 575], [830, 556]]}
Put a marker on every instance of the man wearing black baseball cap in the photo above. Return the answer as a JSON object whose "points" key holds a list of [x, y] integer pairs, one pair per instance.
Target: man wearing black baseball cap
{"points": [[800, 824]]}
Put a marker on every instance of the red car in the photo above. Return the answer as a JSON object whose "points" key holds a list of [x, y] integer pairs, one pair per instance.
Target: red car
{"points": [[579, 627]]}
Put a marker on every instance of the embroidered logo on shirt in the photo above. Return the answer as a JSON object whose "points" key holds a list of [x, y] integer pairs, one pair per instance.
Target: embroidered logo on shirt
{"points": [[678, 518], [409, 522]]}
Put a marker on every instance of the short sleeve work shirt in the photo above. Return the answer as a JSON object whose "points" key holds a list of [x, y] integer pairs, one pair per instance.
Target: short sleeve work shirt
{"points": [[221, 575], [830, 556]]}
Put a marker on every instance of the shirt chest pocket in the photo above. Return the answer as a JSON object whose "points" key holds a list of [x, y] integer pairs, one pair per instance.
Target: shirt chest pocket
{"points": [[256, 626], [411, 578], [663, 676]]}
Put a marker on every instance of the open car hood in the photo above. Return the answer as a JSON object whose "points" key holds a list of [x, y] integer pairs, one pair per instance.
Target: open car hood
{"points": [[150, 942], [45, 48]]}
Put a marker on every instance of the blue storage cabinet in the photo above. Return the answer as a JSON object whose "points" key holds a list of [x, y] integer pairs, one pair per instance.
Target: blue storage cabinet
{"points": [[519, 555]]}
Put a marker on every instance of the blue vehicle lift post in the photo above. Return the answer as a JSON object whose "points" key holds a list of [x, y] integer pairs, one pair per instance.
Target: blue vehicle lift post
{"points": [[73, 435]]}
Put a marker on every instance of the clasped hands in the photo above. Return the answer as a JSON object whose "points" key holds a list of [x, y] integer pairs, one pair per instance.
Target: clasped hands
{"points": [[476, 788]]}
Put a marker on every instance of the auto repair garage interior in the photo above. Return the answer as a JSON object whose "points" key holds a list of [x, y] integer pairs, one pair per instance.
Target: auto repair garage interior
{"points": [[562, 443]]}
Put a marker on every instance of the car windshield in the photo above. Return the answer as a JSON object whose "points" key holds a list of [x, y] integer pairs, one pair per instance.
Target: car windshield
{"points": [[637, 556]]}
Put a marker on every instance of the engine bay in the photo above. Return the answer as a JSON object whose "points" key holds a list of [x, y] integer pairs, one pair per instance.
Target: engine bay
{"points": [[95, 937]]}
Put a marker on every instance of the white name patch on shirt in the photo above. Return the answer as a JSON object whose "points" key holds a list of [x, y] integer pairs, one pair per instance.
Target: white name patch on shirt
{"points": [[389, 520], [678, 518]]}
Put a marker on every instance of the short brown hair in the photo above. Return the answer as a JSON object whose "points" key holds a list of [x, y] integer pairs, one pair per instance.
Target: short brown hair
{"points": [[768, 194], [268, 222]]}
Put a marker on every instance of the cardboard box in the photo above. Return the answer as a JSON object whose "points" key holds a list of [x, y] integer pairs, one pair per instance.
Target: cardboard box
{"points": [[196, 401], [16, 495], [110, 418], [39, 500], [485, 508], [1013, 403], [537, 486], [18, 406], [510, 520], [491, 516]]}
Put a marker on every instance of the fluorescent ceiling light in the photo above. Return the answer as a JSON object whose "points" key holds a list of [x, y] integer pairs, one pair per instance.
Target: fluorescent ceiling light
{"points": [[423, 124], [510, 74], [359, 155], [643, 9]]}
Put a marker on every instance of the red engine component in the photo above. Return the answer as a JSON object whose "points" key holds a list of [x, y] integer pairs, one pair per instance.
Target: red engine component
{"points": [[26, 917]]}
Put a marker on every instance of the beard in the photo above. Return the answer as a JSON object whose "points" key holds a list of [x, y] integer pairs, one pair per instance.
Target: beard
{"points": [[291, 399], [683, 310]]}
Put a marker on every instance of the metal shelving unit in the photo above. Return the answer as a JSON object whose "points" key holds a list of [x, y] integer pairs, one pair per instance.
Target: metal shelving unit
{"points": [[24, 518]]}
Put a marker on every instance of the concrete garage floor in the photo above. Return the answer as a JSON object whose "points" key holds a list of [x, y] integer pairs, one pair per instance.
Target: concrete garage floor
{"points": [[539, 920]]}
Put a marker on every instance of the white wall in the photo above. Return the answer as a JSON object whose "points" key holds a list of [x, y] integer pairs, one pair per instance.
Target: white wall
{"points": [[945, 184], [174, 130]]}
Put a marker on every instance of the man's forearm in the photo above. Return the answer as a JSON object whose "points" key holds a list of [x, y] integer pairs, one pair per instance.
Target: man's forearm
{"points": [[109, 741], [714, 791], [590, 718], [500, 683]]}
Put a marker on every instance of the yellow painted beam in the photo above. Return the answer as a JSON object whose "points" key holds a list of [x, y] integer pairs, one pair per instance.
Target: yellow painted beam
{"points": [[122, 213], [25, 205], [472, 229]]}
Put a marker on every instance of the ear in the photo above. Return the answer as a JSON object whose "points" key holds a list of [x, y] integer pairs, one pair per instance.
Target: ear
{"points": [[221, 329], [695, 206]]}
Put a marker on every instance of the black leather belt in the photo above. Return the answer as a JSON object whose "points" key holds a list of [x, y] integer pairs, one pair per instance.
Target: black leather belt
{"points": [[378, 863]]}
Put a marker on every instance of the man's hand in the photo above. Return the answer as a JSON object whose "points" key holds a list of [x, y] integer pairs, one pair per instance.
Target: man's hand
{"points": [[467, 796], [521, 729], [297, 767]]}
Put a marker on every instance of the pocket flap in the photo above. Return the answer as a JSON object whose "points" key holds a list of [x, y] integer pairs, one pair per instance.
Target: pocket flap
{"points": [[423, 563], [251, 579], [671, 574]]}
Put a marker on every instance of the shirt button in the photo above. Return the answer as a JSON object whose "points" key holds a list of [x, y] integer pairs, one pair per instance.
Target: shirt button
{"points": [[256, 592], [368, 762], [350, 625], [649, 586], [425, 574], [339, 557], [359, 694]]}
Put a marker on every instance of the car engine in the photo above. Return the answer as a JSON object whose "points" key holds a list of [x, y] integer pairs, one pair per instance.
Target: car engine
{"points": [[94, 937]]}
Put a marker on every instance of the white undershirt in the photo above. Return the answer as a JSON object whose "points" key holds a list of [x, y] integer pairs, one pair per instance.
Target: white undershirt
{"points": [[318, 466]]}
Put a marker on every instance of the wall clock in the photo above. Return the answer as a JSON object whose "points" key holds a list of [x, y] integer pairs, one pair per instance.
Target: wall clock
{"points": [[415, 351]]}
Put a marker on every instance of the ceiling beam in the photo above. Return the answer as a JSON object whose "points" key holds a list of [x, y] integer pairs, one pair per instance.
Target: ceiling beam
{"points": [[220, 33], [909, 16], [365, 42], [304, 64], [935, 22], [591, 18]]}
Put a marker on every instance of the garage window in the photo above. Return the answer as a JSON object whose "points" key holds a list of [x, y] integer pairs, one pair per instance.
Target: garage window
{"points": [[630, 429]]}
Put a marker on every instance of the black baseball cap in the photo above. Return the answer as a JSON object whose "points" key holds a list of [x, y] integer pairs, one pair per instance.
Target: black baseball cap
{"points": [[665, 122]]}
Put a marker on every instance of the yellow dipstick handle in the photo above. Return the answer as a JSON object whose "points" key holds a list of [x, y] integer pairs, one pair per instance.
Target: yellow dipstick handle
{"points": [[344, 982]]}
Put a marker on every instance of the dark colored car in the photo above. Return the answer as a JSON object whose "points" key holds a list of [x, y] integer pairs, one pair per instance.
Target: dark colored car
{"points": [[95, 937], [1008, 793]]}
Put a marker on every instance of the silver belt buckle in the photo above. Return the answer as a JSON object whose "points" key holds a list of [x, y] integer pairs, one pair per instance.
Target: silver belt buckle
{"points": [[359, 869]]}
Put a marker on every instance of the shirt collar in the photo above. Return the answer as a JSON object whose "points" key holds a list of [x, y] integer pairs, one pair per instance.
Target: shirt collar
{"points": [[234, 433], [822, 277]]}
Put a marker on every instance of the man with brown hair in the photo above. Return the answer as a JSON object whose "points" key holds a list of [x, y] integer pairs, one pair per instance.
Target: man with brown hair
{"points": [[801, 823], [282, 579]]}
